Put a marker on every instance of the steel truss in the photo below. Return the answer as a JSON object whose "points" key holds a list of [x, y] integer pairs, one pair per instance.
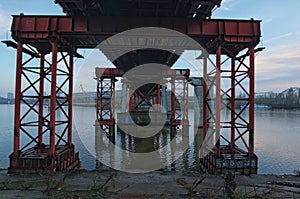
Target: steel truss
{"points": [[106, 79], [179, 101], [43, 138], [105, 105], [234, 135], [139, 98]]}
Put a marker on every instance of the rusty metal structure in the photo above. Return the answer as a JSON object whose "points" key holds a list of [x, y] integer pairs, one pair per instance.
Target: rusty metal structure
{"points": [[89, 22]]}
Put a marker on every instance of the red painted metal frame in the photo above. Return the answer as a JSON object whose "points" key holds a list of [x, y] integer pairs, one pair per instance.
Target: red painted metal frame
{"points": [[18, 97], [138, 97], [41, 99], [179, 84], [251, 100], [106, 78], [205, 96], [105, 110], [179, 88], [53, 99], [234, 141], [23, 26], [105, 100], [179, 115], [87, 32], [66, 34], [37, 154]]}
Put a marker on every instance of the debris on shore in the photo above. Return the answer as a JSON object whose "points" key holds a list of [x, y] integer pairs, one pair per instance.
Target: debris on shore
{"points": [[158, 184]]}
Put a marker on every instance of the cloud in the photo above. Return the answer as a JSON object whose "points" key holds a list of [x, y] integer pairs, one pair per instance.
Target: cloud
{"points": [[268, 20], [283, 36], [227, 4], [5, 21], [278, 67]]}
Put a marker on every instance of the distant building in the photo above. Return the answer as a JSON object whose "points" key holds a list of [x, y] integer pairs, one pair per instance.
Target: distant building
{"points": [[10, 96]]}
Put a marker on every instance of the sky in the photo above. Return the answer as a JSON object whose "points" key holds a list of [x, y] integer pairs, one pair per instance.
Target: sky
{"points": [[277, 67]]}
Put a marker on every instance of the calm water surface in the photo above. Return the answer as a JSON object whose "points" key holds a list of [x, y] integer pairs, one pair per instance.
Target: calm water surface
{"points": [[277, 135]]}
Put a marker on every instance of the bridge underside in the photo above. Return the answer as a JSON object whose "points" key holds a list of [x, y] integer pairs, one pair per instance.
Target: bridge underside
{"points": [[154, 8], [90, 25]]}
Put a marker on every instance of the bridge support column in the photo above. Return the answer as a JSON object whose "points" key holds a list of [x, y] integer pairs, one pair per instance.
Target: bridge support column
{"points": [[179, 98], [105, 105], [233, 137], [33, 123]]}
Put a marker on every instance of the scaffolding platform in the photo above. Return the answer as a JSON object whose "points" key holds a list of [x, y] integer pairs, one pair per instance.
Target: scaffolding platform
{"points": [[237, 161], [37, 159]]}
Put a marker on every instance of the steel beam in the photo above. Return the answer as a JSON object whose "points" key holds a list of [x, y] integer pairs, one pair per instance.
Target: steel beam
{"points": [[205, 97], [233, 102], [251, 100], [18, 99], [218, 100], [41, 99], [30, 26], [70, 99], [88, 32], [53, 99]]}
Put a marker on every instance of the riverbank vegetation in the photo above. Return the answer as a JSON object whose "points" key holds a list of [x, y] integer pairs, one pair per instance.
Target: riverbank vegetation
{"points": [[288, 99]]}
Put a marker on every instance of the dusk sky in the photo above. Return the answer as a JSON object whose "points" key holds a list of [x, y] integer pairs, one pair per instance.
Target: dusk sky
{"points": [[277, 67]]}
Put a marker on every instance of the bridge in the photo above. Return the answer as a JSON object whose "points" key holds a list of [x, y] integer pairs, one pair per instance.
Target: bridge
{"points": [[86, 24]]}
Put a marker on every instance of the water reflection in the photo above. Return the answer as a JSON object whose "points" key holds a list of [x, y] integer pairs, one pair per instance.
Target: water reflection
{"points": [[276, 140], [160, 143]]}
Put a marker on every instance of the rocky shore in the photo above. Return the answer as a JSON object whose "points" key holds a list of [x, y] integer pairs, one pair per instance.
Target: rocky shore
{"points": [[159, 184]]}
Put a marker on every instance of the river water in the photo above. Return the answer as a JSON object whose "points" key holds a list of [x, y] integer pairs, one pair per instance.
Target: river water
{"points": [[277, 136]]}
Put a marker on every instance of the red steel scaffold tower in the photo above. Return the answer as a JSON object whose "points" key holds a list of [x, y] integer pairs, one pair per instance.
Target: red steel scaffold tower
{"points": [[234, 135], [42, 139]]}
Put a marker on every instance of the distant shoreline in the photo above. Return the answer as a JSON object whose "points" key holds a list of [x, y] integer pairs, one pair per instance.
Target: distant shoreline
{"points": [[265, 106]]}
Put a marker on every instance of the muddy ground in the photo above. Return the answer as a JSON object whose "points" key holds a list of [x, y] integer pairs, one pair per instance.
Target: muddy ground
{"points": [[158, 184]]}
